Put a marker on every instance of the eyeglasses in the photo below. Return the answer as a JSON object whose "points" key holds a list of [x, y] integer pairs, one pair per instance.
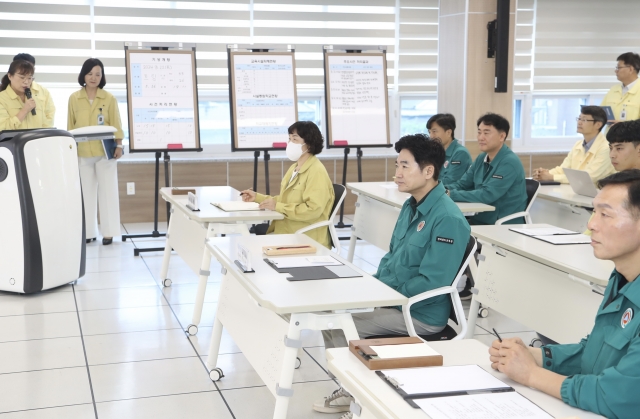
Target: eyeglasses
{"points": [[29, 78], [620, 68], [585, 120]]}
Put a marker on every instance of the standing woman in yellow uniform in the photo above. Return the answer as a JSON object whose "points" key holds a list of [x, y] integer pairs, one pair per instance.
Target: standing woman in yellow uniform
{"points": [[306, 192], [16, 108], [92, 105]]}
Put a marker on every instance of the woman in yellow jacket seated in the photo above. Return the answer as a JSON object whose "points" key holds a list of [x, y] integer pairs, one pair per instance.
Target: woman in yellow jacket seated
{"points": [[306, 192], [16, 108]]}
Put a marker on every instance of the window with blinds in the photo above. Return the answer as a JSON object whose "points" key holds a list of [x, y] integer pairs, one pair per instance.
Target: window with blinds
{"points": [[576, 43], [61, 34], [524, 44]]}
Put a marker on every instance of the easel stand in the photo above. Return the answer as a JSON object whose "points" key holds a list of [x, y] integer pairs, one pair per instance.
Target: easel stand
{"points": [[347, 150], [267, 157], [154, 233]]}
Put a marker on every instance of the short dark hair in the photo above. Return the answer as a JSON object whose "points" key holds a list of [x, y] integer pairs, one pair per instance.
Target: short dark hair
{"points": [[597, 113], [499, 122], [425, 151], [19, 67], [26, 57], [444, 120], [310, 133], [631, 179], [625, 132], [632, 59], [86, 69]]}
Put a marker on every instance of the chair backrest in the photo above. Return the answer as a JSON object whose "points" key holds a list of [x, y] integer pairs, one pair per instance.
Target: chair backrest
{"points": [[533, 186], [340, 193], [469, 252]]}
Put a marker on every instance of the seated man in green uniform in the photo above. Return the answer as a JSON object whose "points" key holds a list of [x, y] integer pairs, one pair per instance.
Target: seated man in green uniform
{"points": [[495, 178], [426, 249], [457, 158], [602, 372]]}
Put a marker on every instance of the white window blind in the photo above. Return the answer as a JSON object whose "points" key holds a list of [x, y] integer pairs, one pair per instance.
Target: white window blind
{"points": [[418, 46], [576, 43], [61, 34], [524, 44]]}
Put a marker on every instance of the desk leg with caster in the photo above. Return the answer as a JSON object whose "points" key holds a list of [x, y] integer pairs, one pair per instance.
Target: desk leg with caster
{"points": [[212, 358], [284, 390], [166, 258]]}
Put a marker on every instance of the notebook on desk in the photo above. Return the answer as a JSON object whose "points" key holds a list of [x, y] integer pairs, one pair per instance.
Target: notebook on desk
{"points": [[440, 391], [233, 206]]}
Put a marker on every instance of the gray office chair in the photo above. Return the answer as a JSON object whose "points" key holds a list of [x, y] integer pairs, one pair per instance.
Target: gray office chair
{"points": [[340, 193], [533, 187]]}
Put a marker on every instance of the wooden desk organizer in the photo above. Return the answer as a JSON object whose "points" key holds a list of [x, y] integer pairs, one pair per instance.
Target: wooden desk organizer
{"points": [[177, 191], [362, 348]]}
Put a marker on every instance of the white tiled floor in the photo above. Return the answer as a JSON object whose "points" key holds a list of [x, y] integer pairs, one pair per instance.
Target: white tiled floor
{"points": [[113, 346]]}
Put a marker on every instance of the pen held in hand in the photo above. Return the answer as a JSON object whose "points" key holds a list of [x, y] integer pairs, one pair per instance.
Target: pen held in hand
{"points": [[497, 335], [243, 193]]}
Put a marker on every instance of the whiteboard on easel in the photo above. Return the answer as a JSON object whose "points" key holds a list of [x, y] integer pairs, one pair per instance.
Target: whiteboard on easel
{"points": [[163, 100], [264, 102], [356, 100]]}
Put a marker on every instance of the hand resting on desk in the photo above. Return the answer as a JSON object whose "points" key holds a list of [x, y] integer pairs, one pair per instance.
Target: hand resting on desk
{"points": [[523, 364]]}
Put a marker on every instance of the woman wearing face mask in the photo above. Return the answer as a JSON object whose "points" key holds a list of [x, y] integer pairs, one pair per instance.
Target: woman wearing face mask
{"points": [[16, 107], [306, 192]]}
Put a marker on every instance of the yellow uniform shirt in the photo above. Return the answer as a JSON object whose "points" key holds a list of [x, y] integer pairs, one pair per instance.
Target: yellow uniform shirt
{"points": [[630, 102], [304, 200], [49, 108], [84, 114], [596, 161], [11, 104]]}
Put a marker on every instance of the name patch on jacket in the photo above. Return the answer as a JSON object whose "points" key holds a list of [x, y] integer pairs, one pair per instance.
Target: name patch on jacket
{"points": [[455, 162], [496, 177], [444, 240]]}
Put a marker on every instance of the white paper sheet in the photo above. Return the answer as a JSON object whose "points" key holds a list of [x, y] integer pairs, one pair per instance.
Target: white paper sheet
{"points": [[542, 231], [566, 239], [428, 380], [231, 206], [303, 261], [508, 405], [404, 351]]}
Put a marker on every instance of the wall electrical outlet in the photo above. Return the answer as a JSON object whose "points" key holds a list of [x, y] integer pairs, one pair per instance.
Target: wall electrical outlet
{"points": [[131, 188]]}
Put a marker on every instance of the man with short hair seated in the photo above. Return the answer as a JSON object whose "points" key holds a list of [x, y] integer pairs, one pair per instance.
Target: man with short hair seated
{"points": [[428, 243], [590, 154], [601, 373], [495, 178]]}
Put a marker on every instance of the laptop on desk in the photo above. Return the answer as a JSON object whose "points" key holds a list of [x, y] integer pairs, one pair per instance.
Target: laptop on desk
{"points": [[581, 182]]}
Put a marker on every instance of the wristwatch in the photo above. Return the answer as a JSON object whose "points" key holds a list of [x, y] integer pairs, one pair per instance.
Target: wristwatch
{"points": [[119, 146]]}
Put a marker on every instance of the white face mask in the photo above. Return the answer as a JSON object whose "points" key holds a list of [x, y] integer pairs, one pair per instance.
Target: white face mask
{"points": [[294, 151]]}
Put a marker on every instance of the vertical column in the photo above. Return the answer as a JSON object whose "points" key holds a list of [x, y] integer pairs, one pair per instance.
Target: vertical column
{"points": [[466, 77]]}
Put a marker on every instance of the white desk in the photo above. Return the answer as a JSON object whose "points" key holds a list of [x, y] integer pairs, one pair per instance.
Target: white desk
{"points": [[545, 287], [377, 210], [188, 231], [251, 306], [378, 400], [560, 206]]}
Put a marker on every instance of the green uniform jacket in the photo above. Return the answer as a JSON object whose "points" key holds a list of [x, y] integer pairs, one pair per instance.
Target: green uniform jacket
{"points": [[306, 200], [499, 183], [457, 162], [604, 368], [425, 253]]}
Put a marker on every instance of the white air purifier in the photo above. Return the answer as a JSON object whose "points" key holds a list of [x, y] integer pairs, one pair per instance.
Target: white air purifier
{"points": [[42, 233]]}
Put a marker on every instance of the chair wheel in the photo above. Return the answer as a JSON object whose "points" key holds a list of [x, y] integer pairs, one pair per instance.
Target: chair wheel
{"points": [[298, 363], [192, 330], [536, 343], [483, 312], [216, 374], [166, 282]]}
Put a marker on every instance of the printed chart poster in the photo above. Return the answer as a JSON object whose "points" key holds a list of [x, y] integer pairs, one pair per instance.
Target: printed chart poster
{"points": [[263, 92], [163, 113], [358, 108]]}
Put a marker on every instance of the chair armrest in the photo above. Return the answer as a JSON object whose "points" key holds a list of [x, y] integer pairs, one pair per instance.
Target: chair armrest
{"points": [[313, 226], [406, 309], [511, 217]]}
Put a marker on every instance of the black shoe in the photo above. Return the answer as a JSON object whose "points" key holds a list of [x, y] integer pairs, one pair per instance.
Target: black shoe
{"points": [[106, 241], [466, 294], [91, 240]]}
